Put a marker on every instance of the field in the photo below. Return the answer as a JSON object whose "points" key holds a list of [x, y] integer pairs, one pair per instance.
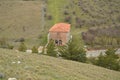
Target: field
{"points": [[41, 67]]}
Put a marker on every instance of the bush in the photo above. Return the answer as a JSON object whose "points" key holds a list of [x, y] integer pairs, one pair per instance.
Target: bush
{"points": [[22, 47], [68, 19], [10, 46], [73, 52], [49, 17], [51, 49], [3, 43], [66, 13], [34, 50]]}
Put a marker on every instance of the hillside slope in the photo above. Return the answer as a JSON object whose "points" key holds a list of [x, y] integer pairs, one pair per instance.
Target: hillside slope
{"points": [[88, 14], [31, 19], [20, 19], [85, 13], [40, 67]]}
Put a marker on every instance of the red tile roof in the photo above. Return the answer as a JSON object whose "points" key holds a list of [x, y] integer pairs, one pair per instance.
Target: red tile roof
{"points": [[60, 27]]}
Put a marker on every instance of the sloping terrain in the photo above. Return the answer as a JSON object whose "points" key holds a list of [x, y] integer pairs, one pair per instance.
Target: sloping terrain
{"points": [[85, 13], [24, 66], [23, 18], [31, 19], [20, 19]]}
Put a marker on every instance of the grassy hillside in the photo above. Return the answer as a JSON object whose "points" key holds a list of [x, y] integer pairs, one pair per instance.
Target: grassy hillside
{"points": [[40, 67], [85, 13], [31, 19], [21, 19]]}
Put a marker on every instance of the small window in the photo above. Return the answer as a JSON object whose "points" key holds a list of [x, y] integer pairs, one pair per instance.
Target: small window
{"points": [[60, 42], [56, 42]]}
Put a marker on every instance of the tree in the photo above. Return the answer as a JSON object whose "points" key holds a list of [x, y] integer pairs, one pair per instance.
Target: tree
{"points": [[109, 60], [34, 50], [51, 49], [22, 47], [72, 51]]}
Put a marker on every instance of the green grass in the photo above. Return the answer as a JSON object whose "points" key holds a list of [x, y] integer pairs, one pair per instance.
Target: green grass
{"points": [[55, 9], [40, 67]]}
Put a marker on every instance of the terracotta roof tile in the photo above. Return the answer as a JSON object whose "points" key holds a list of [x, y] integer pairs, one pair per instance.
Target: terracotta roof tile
{"points": [[60, 27]]}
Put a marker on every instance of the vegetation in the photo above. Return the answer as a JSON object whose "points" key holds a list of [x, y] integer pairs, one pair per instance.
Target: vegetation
{"points": [[72, 51], [4, 44], [103, 37], [41, 67], [22, 47], [83, 13], [34, 50], [51, 49], [110, 60]]}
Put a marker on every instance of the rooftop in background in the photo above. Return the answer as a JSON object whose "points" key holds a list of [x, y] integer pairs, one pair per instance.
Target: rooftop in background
{"points": [[60, 27]]}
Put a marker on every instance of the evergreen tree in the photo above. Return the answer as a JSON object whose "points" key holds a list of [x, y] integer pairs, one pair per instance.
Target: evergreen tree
{"points": [[72, 51], [51, 49], [22, 47], [109, 60]]}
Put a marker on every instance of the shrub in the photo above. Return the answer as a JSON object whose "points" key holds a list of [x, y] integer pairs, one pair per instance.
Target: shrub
{"points": [[67, 19], [49, 17], [22, 47], [34, 50], [66, 13], [10, 46], [3, 43]]}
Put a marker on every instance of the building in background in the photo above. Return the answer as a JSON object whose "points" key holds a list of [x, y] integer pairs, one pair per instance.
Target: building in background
{"points": [[60, 33]]}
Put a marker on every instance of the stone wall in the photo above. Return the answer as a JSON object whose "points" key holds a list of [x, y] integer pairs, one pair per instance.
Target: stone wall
{"points": [[64, 36]]}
